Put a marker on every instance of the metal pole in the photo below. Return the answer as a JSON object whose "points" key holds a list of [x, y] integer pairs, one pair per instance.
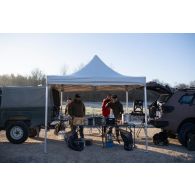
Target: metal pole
{"points": [[46, 116], [146, 117], [61, 100], [127, 100]]}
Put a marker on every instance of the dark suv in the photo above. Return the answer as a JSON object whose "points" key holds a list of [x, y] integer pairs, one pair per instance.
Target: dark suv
{"points": [[173, 111], [22, 111]]}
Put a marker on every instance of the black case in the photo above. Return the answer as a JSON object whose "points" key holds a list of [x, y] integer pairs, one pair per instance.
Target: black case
{"points": [[110, 121]]}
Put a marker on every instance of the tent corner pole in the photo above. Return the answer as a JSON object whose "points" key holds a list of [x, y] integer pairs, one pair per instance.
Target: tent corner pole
{"points": [[127, 100], [46, 117], [61, 100], [146, 117]]}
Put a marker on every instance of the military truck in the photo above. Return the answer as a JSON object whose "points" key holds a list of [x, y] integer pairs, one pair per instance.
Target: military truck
{"points": [[173, 111], [22, 111]]}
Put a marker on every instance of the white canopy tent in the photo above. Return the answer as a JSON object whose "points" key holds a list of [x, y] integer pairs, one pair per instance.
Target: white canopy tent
{"points": [[96, 75]]}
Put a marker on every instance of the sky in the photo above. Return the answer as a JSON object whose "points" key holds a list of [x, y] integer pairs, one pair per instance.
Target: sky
{"points": [[166, 57]]}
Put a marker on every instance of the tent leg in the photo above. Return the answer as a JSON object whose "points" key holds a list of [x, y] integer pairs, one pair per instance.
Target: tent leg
{"points": [[127, 100], [61, 100], [46, 117], [146, 118]]}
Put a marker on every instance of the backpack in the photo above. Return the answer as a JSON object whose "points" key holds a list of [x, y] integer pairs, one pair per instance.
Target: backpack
{"points": [[161, 139], [127, 139], [75, 144]]}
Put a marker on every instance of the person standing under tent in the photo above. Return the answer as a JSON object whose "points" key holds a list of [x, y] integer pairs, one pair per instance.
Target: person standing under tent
{"points": [[77, 112], [117, 109], [67, 110], [106, 110], [68, 102]]}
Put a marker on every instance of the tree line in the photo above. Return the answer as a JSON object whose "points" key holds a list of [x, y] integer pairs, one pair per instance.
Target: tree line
{"points": [[35, 78], [38, 78]]}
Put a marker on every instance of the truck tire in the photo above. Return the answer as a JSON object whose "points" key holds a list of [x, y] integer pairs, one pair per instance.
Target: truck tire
{"points": [[191, 142], [17, 132], [184, 130], [33, 132]]}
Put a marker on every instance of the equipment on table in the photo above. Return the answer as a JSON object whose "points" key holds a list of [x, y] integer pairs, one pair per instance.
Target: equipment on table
{"points": [[110, 121], [89, 121], [127, 139], [94, 121], [98, 120], [138, 106], [125, 118]]}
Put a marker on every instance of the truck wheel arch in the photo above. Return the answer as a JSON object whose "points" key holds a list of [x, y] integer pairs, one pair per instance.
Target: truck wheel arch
{"points": [[187, 120], [8, 122]]}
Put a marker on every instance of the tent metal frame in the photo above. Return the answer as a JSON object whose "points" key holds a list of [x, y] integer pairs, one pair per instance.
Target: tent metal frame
{"points": [[127, 93]]}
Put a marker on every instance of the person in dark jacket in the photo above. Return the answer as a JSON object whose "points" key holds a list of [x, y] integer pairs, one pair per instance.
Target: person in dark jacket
{"points": [[77, 109], [117, 109]]}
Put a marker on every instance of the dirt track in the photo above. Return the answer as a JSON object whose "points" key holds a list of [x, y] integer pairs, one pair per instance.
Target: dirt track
{"points": [[32, 151]]}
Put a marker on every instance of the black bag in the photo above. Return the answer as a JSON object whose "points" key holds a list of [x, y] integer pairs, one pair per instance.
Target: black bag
{"points": [[110, 121], [127, 139], [75, 144], [161, 138]]}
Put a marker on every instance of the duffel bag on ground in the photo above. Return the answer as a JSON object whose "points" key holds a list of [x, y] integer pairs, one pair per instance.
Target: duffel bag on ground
{"points": [[161, 139], [75, 144], [127, 139]]}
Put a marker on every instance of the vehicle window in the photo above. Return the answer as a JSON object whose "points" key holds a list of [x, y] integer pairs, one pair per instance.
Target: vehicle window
{"points": [[186, 99], [163, 98]]}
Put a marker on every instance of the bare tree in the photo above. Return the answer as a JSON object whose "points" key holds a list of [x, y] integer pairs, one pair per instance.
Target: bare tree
{"points": [[37, 77], [161, 82], [181, 86], [64, 70], [192, 84]]}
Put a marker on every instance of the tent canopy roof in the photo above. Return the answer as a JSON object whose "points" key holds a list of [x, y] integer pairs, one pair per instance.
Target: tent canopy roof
{"points": [[96, 75], [96, 68]]}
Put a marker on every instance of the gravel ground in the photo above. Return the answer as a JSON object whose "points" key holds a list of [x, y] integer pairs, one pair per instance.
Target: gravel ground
{"points": [[58, 152]]}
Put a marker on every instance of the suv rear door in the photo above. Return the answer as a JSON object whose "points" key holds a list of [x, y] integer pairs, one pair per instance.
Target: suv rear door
{"points": [[160, 89], [187, 105]]}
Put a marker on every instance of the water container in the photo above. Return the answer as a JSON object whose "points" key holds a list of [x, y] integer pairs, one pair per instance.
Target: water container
{"points": [[109, 142]]}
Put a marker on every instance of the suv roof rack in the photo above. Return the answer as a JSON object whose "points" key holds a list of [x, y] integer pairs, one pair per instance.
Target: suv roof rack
{"points": [[188, 89]]}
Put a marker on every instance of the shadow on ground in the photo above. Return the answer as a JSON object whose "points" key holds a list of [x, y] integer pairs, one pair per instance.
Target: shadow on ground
{"points": [[58, 152]]}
